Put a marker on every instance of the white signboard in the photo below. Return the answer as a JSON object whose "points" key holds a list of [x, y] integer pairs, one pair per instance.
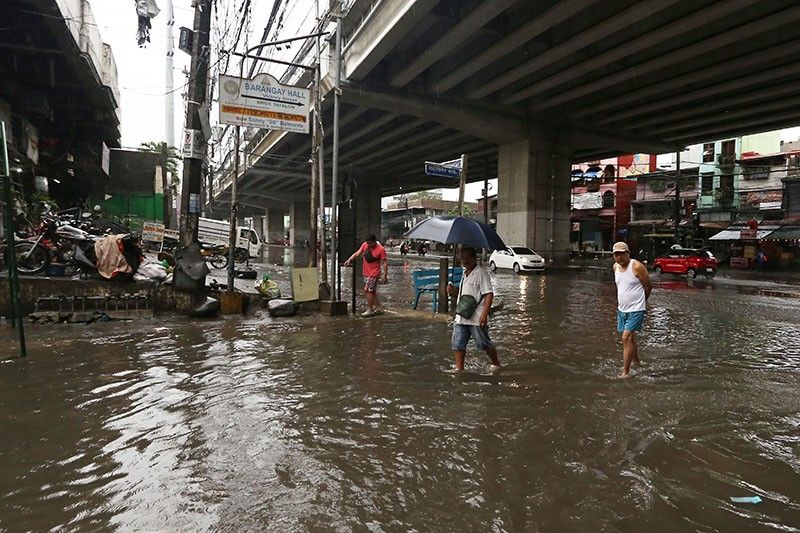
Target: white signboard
{"points": [[153, 231], [453, 163], [194, 145], [263, 103]]}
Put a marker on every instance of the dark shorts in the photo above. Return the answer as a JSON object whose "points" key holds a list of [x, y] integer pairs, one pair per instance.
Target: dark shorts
{"points": [[462, 334], [371, 284], [632, 321]]}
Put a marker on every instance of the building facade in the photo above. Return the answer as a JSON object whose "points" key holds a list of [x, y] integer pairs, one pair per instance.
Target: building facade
{"points": [[59, 99], [602, 193]]}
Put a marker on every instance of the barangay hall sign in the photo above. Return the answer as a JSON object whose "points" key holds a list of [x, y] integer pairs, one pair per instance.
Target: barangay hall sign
{"points": [[263, 103]]}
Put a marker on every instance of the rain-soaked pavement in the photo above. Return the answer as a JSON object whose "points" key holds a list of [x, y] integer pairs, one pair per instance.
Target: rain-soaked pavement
{"points": [[353, 424]]}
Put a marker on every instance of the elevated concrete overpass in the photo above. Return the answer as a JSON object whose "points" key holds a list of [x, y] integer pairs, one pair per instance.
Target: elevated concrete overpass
{"points": [[527, 87]]}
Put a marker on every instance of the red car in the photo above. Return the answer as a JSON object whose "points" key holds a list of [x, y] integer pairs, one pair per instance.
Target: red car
{"points": [[688, 262]]}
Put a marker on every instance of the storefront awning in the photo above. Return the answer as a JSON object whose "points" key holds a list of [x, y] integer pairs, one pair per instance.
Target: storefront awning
{"points": [[786, 233], [734, 233]]}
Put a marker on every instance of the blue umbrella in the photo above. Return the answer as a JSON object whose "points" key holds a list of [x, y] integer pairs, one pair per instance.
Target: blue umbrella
{"points": [[457, 230]]}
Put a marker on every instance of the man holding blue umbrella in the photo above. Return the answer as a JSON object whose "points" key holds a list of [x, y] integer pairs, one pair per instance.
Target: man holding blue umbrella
{"points": [[475, 297]]}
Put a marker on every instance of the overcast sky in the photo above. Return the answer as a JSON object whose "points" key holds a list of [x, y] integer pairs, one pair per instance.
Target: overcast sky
{"points": [[142, 70]]}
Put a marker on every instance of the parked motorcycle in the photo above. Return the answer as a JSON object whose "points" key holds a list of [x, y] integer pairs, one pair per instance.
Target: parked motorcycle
{"points": [[217, 255], [59, 239]]}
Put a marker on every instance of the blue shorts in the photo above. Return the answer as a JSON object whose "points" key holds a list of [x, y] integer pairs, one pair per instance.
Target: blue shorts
{"points": [[632, 321], [462, 334]]}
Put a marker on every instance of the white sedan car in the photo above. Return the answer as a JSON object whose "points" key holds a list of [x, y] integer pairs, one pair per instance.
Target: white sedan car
{"points": [[519, 258]]}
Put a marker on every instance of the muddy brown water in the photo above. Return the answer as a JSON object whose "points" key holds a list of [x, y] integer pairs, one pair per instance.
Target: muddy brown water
{"points": [[314, 424]]}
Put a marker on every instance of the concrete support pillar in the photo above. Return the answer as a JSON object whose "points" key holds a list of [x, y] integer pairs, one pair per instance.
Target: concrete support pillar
{"points": [[299, 223], [533, 197], [273, 226], [368, 219], [258, 226]]}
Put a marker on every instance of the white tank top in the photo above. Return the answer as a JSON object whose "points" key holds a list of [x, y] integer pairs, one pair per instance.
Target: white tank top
{"points": [[630, 291]]}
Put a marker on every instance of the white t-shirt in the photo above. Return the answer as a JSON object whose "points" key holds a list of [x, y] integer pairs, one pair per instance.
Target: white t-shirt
{"points": [[478, 283]]}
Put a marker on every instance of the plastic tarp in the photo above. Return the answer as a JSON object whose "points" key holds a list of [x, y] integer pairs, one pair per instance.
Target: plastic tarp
{"points": [[587, 200]]}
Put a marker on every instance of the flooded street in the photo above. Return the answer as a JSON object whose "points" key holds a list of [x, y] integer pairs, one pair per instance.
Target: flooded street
{"points": [[353, 424]]}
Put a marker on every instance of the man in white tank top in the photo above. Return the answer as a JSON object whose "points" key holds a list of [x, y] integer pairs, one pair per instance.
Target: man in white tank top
{"points": [[633, 290]]}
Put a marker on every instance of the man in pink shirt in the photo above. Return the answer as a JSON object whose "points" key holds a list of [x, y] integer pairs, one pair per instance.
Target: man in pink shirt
{"points": [[374, 258]]}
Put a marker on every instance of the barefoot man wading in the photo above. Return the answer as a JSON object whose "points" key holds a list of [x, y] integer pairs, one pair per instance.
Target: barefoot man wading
{"points": [[633, 290], [375, 259], [475, 296]]}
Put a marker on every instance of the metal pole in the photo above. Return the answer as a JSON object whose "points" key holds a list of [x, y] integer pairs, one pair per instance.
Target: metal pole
{"points": [[484, 255], [677, 195], [486, 192], [320, 160], [353, 211], [13, 273], [462, 183], [335, 171], [232, 218], [553, 208], [232, 236]]}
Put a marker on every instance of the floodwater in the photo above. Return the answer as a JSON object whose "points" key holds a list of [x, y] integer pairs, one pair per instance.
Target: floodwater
{"points": [[349, 424]]}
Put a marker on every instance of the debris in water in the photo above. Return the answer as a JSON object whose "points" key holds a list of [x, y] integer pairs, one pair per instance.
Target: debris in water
{"points": [[746, 499]]}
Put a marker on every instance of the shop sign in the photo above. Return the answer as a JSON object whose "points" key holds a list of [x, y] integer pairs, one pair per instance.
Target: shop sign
{"points": [[748, 234], [153, 232]]}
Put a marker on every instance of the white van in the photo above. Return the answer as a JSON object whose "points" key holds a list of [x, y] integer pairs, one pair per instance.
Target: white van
{"points": [[217, 232]]}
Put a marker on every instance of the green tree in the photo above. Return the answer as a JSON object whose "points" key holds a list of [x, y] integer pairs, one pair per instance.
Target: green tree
{"points": [[418, 196], [173, 160], [468, 211]]}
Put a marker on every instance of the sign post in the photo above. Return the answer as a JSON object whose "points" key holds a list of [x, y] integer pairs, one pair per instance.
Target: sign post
{"points": [[153, 232], [262, 102], [462, 183]]}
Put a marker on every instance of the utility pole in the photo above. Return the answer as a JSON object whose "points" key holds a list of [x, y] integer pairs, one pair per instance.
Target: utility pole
{"points": [[169, 113], [337, 75], [198, 80], [165, 185], [677, 195]]}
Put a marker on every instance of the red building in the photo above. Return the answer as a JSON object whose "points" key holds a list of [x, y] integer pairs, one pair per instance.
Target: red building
{"points": [[602, 194], [601, 208]]}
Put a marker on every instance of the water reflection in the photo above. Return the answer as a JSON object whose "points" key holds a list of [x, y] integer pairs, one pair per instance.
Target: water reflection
{"points": [[351, 424]]}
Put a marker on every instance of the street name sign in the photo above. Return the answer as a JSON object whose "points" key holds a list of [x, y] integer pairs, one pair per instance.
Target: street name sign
{"points": [[441, 170], [263, 102]]}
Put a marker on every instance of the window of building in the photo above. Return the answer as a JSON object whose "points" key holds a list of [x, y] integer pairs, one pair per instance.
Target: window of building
{"points": [[608, 200], [729, 148], [708, 153], [609, 173], [707, 183], [726, 189]]}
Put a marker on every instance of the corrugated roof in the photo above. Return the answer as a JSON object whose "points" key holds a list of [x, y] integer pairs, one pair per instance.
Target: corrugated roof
{"points": [[789, 233], [734, 233]]}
